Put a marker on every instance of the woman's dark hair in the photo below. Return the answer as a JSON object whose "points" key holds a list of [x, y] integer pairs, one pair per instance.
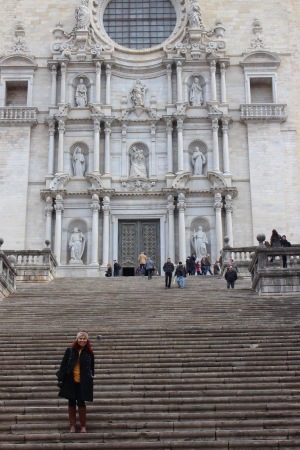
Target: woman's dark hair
{"points": [[274, 233], [88, 346]]}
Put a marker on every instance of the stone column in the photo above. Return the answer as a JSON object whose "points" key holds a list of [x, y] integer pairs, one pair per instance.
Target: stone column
{"points": [[216, 160], [48, 212], [106, 237], [107, 132], [153, 151], [213, 81], [179, 82], [180, 143], [63, 69], [229, 209], [59, 207], [171, 233], [169, 83], [223, 83], [95, 229], [108, 80], [225, 127], [51, 123], [60, 157], [98, 82], [96, 144], [181, 207], [53, 84], [169, 129], [124, 157], [218, 210]]}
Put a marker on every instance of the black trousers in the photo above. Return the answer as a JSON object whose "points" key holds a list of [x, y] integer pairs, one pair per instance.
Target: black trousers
{"points": [[168, 278], [78, 397]]}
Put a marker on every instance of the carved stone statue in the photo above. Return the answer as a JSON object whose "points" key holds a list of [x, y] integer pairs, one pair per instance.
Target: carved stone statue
{"points": [[138, 94], [81, 94], [198, 160], [194, 14], [137, 163], [77, 244], [78, 162], [82, 16], [199, 241], [196, 93]]}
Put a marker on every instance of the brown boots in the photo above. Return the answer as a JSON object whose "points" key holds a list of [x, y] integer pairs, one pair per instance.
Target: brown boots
{"points": [[82, 418], [72, 418]]}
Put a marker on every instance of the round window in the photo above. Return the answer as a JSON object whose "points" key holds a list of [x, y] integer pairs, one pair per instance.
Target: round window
{"points": [[139, 24]]}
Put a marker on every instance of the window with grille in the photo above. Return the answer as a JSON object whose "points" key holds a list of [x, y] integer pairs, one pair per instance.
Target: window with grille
{"points": [[139, 24]]}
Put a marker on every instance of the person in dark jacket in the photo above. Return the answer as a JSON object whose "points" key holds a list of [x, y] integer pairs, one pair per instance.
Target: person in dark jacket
{"points": [[108, 272], [75, 379], [180, 273], [168, 268], [284, 243], [275, 241], [117, 268], [230, 277]]}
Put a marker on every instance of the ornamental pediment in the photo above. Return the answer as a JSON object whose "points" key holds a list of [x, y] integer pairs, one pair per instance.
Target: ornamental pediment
{"points": [[18, 61], [261, 58], [139, 114]]}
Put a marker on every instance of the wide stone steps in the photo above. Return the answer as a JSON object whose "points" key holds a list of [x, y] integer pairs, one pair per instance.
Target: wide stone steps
{"points": [[176, 369]]}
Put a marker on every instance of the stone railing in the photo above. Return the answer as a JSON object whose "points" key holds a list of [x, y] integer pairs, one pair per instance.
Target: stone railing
{"points": [[240, 255], [34, 265], [18, 114], [7, 274], [267, 271], [263, 111]]}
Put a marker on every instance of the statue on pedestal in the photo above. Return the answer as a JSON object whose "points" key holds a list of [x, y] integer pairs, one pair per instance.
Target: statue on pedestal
{"points": [[78, 162], [199, 241], [82, 16], [196, 93], [77, 244], [194, 14], [198, 160], [138, 94], [137, 163], [81, 94]]}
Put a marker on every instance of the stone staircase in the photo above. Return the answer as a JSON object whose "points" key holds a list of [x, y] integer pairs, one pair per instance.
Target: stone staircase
{"points": [[198, 368]]}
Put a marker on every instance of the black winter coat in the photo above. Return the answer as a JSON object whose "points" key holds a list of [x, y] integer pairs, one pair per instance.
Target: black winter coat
{"points": [[65, 374]]}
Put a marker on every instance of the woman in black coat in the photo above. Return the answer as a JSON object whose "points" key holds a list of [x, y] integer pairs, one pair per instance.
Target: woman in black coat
{"points": [[75, 377]]}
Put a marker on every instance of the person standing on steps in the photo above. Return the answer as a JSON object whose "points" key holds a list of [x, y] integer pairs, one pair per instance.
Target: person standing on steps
{"points": [[180, 272], [117, 268], [76, 377], [149, 267], [142, 262], [284, 243], [230, 277], [168, 268]]}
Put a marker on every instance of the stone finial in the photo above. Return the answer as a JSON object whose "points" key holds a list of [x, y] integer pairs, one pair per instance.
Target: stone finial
{"points": [[47, 242], [12, 259], [261, 238], [226, 242], [219, 29]]}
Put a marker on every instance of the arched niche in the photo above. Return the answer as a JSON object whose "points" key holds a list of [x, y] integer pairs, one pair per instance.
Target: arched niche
{"points": [[198, 149], [80, 91], [79, 166], [82, 227], [138, 154], [200, 225], [195, 88]]}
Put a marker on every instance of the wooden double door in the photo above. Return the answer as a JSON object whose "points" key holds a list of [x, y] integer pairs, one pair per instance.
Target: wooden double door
{"points": [[136, 236]]}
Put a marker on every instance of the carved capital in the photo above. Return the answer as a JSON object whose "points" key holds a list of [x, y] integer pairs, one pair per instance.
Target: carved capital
{"points": [[228, 203], [49, 206], [218, 202], [95, 206], [181, 202], [96, 124], [107, 127], [213, 66], [170, 205], [61, 125], [59, 204], [51, 124], [215, 124], [108, 70], [179, 124], [106, 205]]}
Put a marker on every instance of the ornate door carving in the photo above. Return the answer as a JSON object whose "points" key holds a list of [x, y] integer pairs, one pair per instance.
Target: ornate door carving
{"points": [[136, 236]]}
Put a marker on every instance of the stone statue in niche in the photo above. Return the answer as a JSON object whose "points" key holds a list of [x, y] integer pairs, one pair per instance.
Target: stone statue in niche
{"points": [[199, 241], [137, 163], [138, 94], [81, 94], [196, 93], [78, 162], [194, 14], [198, 160], [82, 16], [77, 245]]}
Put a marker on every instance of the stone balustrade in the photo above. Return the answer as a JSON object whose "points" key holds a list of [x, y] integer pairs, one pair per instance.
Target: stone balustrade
{"points": [[34, 265], [14, 114], [263, 111], [7, 275]]}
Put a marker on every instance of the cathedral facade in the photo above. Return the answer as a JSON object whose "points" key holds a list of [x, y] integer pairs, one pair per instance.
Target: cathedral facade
{"points": [[162, 126]]}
